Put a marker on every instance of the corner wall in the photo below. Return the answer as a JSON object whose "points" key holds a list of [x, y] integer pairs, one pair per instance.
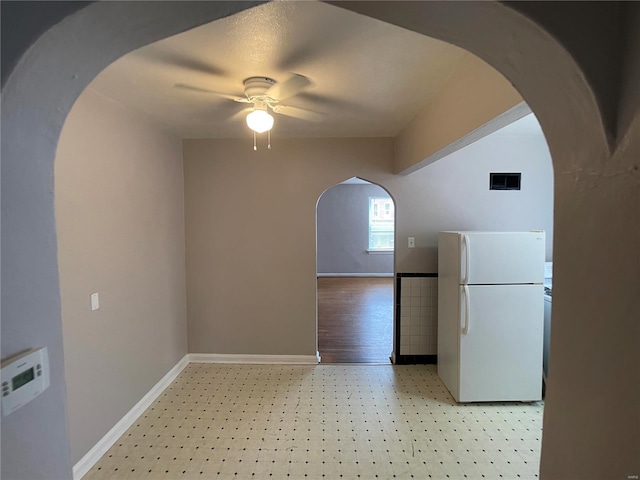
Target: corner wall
{"points": [[120, 225], [475, 94], [453, 194]]}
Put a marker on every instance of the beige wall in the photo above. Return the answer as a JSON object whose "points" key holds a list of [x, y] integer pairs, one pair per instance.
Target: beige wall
{"points": [[475, 94], [120, 226], [594, 370], [250, 229], [251, 219]]}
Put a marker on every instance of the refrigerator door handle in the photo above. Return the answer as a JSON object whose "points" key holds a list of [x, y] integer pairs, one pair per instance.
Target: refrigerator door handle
{"points": [[467, 258], [464, 298]]}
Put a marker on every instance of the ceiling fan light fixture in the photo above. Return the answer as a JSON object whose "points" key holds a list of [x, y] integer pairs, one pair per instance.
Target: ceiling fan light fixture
{"points": [[260, 121]]}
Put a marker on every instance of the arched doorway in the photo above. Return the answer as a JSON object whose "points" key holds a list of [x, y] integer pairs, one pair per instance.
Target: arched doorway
{"points": [[355, 265], [594, 179]]}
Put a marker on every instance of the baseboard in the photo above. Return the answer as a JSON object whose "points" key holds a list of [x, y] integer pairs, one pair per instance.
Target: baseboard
{"points": [[385, 275], [91, 458], [416, 359], [254, 359]]}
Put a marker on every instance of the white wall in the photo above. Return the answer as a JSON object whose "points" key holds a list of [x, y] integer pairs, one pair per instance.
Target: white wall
{"points": [[120, 225], [453, 193]]}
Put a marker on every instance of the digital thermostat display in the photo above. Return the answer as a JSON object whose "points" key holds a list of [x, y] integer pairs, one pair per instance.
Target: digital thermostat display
{"points": [[24, 377]]}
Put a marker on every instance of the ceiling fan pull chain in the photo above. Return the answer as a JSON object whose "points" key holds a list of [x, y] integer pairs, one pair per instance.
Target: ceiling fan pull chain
{"points": [[269, 139], [254, 141]]}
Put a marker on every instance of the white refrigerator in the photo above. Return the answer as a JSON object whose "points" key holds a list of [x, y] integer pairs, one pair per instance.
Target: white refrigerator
{"points": [[491, 315]]}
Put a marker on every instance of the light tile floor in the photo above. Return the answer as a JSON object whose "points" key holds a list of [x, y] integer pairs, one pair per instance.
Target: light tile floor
{"points": [[326, 421]]}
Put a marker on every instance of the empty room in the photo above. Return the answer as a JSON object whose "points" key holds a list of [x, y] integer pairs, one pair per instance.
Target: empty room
{"points": [[223, 247]]}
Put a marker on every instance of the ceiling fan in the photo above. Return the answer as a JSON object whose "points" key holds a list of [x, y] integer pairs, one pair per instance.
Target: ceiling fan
{"points": [[266, 94]]}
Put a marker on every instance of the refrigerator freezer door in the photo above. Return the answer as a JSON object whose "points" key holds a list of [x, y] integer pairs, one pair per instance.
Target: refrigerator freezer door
{"points": [[501, 353], [501, 257]]}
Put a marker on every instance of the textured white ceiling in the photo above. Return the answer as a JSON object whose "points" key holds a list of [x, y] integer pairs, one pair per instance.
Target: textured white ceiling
{"points": [[368, 78]]}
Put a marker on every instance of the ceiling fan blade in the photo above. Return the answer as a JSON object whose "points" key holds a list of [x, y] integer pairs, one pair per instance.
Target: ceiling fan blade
{"points": [[240, 115], [335, 102], [298, 113], [206, 90], [163, 56], [290, 87]]}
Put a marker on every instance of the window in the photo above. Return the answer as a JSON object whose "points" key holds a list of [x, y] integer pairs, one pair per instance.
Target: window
{"points": [[381, 224]]}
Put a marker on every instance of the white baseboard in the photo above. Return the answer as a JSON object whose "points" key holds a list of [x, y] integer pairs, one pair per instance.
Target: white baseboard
{"points": [[91, 458], [355, 275], [254, 359]]}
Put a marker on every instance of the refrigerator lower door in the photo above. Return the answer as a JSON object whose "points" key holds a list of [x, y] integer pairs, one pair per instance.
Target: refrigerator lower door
{"points": [[501, 337]]}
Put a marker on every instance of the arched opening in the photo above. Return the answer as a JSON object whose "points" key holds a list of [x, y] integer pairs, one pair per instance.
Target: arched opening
{"points": [[355, 265], [589, 189]]}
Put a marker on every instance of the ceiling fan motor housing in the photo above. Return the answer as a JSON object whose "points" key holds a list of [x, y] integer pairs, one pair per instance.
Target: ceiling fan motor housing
{"points": [[256, 87]]}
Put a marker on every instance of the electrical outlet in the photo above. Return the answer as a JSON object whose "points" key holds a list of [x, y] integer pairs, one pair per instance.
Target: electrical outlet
{"points": [[412, 242], [95, 301]]}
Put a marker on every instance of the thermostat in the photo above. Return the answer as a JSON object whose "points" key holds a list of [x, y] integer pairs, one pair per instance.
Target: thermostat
{"points": [[24, 377]]}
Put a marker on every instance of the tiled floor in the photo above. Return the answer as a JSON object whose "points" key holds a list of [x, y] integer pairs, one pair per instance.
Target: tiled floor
{"points": [[327, 421]]}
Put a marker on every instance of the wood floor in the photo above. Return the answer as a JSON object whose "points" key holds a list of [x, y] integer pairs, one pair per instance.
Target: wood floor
{"points": [[355, 319]]}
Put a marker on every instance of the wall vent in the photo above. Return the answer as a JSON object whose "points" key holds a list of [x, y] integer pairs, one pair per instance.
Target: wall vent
{"points": [[504, 181]]}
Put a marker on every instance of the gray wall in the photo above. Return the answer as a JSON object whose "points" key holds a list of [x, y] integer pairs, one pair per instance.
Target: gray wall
{"points": [[26, 25], [343, 231], [120, 226]]}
